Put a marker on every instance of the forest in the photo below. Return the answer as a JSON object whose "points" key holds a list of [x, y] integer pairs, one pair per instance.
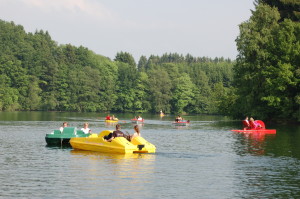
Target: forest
{"points": [[267, 68], [37, 73]]}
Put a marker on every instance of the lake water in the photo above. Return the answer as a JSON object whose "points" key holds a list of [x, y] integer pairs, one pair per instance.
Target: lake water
{"points": [[202, 160]]}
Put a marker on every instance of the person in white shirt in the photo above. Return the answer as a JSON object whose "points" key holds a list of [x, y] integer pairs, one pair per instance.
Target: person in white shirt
{"points": [[85, 128]]}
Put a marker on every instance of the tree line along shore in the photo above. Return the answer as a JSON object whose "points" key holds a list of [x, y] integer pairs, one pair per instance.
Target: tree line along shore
{"points": [[36, 73]]}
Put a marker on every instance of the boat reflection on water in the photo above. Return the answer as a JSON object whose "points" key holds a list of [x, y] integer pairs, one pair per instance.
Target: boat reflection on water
{"points": [[104, 168], [66, 146], [181, 127], [140, 125], [110, 124], [257, 142]]}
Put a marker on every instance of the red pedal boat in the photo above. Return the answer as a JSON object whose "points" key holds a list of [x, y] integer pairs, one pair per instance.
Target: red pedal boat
{"points": [[261, 129], [182, 123]]}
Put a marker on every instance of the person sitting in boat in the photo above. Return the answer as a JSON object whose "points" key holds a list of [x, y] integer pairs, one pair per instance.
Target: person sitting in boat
{"points": [[108, 117], [139, 118], [254, 125], [85, 128], [178, 118], [136, 132], [114, 134], [65, 124], [113, 117], [161, 113], [246, 123]]}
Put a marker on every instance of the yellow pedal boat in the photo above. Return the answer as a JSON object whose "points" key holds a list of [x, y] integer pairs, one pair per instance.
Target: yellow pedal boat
{"points": [[96, 142], [112, 121]]}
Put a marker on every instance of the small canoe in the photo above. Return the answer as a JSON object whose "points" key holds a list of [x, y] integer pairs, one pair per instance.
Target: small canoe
{"points": [[58, 138], [182, 123], [137, 121], [96, 142]]}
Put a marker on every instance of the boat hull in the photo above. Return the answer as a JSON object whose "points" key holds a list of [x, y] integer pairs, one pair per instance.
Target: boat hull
{"points": [[58, 141], [58, 138], [111, 121], [266, 131], [121, 145], [143, 145]]}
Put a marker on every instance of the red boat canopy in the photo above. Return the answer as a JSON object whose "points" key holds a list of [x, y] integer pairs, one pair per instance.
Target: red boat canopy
{"points": [[263, 126]]}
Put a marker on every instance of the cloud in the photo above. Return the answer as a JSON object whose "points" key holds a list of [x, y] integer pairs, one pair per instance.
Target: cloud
{"points": [[90, 8]]}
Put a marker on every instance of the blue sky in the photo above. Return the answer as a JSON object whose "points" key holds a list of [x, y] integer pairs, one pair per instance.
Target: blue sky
{"points": [[140, 27]]}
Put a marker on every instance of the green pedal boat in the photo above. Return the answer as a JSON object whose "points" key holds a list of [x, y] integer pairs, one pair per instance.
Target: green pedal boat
{"points": [[58, 138]]}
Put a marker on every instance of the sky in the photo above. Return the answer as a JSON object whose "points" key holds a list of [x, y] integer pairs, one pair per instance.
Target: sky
{"points": [[201, 28]]}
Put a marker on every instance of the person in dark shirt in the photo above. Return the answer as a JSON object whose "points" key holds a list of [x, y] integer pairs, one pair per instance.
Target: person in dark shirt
{"points": [[116, 133]]}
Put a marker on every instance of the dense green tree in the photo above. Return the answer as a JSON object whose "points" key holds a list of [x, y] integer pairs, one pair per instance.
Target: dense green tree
{"points": [[125, 57], [182, 94], [9, 99], [152, 62], [265, 72], [142, 64], [127, 75], [141, 94], [33, 101], [219, 92], [287, 8], [228, 103], [160, 90], [202, 91]]}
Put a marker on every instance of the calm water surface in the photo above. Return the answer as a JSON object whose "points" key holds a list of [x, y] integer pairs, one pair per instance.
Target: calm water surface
{"points": [[203, 160]]}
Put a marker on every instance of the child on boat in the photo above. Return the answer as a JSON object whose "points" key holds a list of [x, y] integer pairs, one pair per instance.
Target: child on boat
{"points": [[178, 119], [85, 128], [136, 133], [65, 124]]}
